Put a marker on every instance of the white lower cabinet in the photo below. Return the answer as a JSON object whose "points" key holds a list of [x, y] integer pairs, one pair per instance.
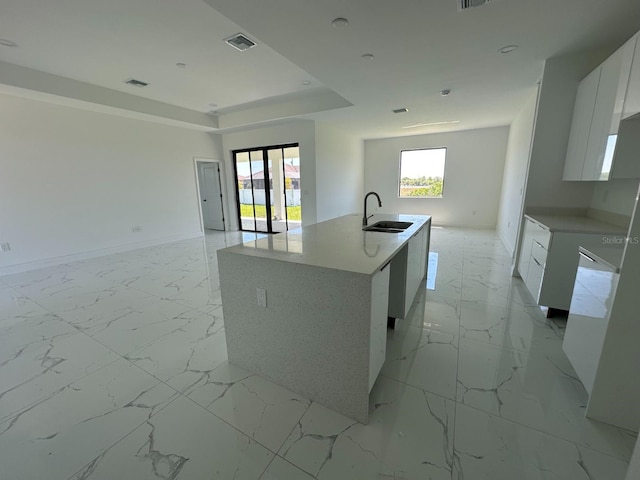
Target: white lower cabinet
{"points": [[549, 260], [408, 270], [378, 338], [589, 317]]}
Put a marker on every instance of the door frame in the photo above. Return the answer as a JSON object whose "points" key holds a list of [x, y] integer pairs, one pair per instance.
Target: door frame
{"points": [[196, 170], [236, 195]]}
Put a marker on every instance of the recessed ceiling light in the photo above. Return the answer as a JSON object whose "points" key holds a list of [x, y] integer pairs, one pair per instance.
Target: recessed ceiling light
{"points": [[306, 83], [400, 110], [508, 49], [416, 125], [340, 22], [7, 43], [367, 56], [181, 65], [445, 92]]}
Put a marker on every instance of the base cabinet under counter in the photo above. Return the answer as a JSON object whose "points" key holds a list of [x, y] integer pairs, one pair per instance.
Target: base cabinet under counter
{"points": [[588, 319], [549, 260]]}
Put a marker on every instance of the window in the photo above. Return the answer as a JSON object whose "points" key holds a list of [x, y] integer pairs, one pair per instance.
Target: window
{"points": [[422, 173]]}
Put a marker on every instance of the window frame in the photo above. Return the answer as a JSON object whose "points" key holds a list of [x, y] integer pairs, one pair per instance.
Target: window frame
{"points": [[400, 172]]}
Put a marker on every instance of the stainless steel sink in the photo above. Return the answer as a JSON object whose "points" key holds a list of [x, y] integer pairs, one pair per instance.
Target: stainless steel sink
{"points": [[388, 226]]}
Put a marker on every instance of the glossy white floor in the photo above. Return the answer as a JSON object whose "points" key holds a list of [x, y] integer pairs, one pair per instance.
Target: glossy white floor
{"points": [[115, 368]]}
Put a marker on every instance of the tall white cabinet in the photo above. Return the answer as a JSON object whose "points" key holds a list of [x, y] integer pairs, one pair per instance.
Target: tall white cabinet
{"points": [[592, 152]]}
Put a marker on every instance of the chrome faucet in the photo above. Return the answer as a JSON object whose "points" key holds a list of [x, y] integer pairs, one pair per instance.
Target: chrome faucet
{"points": [[365, 218]]}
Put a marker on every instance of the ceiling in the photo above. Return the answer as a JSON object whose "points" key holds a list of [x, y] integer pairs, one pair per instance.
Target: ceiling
{"points": [[302, 65]]}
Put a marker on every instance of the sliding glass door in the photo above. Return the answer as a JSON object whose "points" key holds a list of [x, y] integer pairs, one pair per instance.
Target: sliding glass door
{"points": [[268, 188]]}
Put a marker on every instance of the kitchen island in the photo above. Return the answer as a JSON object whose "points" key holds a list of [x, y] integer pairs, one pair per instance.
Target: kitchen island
{"points": [[308, 309]]}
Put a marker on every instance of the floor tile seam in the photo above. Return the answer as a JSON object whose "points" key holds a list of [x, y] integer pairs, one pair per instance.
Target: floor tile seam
{"points": [[297, 467], [536, 350], [557, 437], [24, 407], [311, 402], [230, 425], [512, 349], [417, 387], [130, 432]]}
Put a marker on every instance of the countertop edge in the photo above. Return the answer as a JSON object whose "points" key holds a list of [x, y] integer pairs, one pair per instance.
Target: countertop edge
{"points": [[419, 221], [597, 226]]}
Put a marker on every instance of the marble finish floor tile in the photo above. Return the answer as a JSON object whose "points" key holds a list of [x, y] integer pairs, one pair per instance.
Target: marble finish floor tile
{"points": [[261, 409], [534, 390], [187, 355], [43, 366], [280, 469], [488, 447], [476, 385], [408, 437], [412, 353], [61, 433], [181, 442], [518, 327], [134, 327]]}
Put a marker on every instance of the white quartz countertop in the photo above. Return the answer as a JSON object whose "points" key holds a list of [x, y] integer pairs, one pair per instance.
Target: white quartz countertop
{"points": [[339, 244], [576, 224], [610, 255]]}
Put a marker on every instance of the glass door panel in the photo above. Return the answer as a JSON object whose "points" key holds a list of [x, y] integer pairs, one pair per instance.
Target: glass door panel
{"points": [[291, 172], [268, 183]]}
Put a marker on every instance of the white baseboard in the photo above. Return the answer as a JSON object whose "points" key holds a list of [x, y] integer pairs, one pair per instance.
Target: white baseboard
{"points": [[74, 257]]}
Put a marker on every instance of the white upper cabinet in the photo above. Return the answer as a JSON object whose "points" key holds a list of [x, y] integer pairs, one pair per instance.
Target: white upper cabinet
{"points": [[632, 100], [598, 110], [580, 125]]}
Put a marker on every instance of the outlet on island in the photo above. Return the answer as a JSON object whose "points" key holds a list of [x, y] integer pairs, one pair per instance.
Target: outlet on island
{"points": [[261, 297]]}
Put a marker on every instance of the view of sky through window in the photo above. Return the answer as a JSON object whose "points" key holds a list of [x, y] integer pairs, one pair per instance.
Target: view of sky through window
{"points": [[422, 173]]}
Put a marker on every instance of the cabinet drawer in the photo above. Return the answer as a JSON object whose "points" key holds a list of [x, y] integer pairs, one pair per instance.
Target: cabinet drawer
{"points": [[538, 253], [541, 236], [534, 278]]}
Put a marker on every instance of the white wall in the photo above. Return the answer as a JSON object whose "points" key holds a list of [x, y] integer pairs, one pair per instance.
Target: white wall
{"points": [[301, 132], [75, 181], [545, 187], [472, 182], [615, 196], [339, 173], [515, 173]]}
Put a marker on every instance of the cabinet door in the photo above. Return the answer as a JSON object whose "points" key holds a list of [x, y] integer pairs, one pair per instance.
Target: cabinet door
{"points": [[534, 279], [414, 269], [580, 126], [605, 122], [525, 249], [632, 99]]}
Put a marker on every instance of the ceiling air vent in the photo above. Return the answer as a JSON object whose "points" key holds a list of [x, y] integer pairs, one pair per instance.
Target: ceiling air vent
{"points": [[240, 42], [467, 4], [136, 83], [400, 110]]}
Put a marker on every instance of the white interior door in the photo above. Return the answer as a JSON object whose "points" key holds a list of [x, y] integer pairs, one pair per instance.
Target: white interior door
{"points": [[211, 196]]}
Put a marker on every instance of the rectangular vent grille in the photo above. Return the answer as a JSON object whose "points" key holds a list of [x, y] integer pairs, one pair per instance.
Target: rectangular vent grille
{"points": [[467, 4], [136, 83], [401, 110], [240, 42]]}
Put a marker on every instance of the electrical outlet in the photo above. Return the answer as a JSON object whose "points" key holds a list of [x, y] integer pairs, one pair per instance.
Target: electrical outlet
{"points": [[5, 247], [261, 297], [136, 228]]}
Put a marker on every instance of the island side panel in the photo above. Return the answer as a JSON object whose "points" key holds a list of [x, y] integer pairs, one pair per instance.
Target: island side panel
{"points": [[314, 335]]}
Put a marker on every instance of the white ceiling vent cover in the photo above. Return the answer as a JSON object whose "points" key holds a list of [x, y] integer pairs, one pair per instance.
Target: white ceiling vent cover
{"points": [[240, 41], [467, 4]]}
